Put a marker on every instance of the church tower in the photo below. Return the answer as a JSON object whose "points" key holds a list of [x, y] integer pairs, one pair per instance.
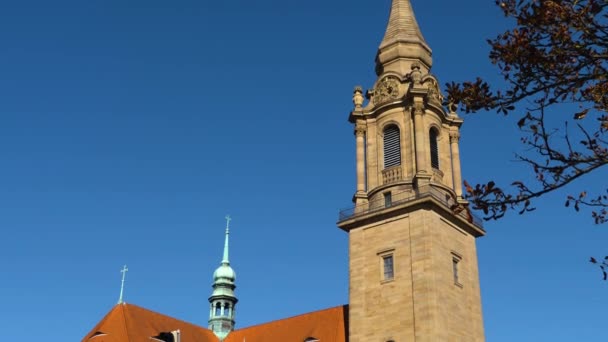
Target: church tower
{"points": [[223, 300], [413, 260]]}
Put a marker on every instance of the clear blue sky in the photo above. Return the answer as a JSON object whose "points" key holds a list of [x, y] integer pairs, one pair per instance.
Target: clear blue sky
{"points": [[128, 129]]}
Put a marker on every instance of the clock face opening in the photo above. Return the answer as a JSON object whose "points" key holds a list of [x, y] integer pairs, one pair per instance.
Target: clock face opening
{"points": [[386, 90]]}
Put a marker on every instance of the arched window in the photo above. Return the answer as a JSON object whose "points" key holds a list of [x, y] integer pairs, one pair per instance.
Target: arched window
{"points": [[227, 310], [433, 133], [392, 146], [218, 309]]}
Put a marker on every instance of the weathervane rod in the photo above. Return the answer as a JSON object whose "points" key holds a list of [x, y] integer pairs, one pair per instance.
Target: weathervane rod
{"points": [[122, 283], [225, 258]]}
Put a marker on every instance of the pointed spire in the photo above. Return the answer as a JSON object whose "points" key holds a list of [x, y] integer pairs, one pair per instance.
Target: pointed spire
{"points": [[402, 25], [403, 42], [225, 260]]}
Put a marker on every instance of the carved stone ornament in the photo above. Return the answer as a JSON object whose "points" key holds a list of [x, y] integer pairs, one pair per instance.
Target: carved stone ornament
{"points": [[416, 74], [434, 93], [452, 108], [418, 108], [454, 137], [360, 130], [358, 97], [386, 90]]}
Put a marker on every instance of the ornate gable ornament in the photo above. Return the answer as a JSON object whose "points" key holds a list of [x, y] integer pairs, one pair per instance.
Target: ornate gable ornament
{"points": [[386, 90]]}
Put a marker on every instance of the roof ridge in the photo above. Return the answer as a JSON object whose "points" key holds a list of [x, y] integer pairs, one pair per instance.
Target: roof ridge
{"points": [[171, 317], [291, 317], [124, 318]]}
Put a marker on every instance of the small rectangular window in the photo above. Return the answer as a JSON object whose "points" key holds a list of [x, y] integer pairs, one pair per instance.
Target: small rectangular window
{"points": [[455, 265], [389, 270], [388, 199]]}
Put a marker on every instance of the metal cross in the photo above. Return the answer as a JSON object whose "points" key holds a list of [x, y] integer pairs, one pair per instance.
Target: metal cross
{"points": [[228, 219], [122, 284]]}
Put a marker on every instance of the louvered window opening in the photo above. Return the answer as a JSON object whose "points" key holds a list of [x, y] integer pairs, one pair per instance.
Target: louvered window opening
{"points": [[434, 149], [392, 147]]}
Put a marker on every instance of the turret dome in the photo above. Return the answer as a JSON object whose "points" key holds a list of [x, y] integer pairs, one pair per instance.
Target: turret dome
{"points": [[224, 272]]}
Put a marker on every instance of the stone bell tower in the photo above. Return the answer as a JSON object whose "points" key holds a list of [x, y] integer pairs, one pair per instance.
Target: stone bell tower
{"points": [[413, 261]]}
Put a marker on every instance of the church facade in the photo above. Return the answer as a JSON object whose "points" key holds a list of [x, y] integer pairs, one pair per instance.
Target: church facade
{"points": [[412, 255]]}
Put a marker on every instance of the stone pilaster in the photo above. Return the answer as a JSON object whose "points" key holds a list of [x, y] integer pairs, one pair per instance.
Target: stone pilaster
{"points": [[423, 174], [360, 130], [456, 173]]}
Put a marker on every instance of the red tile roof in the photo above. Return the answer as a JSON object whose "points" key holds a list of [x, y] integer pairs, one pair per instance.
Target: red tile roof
{"points": [[131, 323], [329, 325]]}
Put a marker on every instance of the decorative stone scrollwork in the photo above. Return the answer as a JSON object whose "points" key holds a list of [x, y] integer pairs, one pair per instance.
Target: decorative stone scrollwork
{"points": [[452, 108], [434, 93], [358, 97], [386, 90]]}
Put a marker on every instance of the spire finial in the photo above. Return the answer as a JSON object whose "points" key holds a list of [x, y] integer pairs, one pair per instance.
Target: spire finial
{"points": [[122, 283], [225, 259]]}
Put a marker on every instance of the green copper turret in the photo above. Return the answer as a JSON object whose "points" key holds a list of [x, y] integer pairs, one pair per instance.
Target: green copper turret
{"points": [[223, 300]]}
